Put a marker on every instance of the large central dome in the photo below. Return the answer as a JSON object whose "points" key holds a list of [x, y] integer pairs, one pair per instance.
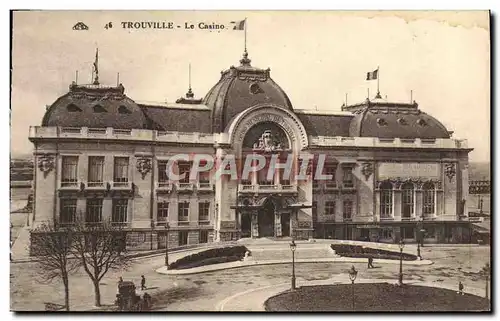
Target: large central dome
{"points": [[240, 88]]}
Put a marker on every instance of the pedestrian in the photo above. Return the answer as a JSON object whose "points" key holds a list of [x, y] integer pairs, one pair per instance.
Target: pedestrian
{"points": [[460, 288], [143, 283], [370, 262], [147, 301]]}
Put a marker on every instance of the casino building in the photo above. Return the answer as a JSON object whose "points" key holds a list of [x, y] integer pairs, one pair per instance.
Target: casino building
{"points": [[397, 172]]}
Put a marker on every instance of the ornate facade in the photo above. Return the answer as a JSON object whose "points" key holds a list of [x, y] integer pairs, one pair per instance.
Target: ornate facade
{"points": [[395, 170]]}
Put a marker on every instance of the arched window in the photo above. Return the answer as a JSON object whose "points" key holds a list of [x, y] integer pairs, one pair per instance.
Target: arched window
{"points": [[429, 199], [123, 110], [99, 109], [408, 200], [73, 108], [386, 199]]}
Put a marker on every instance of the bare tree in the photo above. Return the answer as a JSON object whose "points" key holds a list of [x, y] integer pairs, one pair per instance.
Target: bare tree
{"points": [[100, 247], [52, 245]]}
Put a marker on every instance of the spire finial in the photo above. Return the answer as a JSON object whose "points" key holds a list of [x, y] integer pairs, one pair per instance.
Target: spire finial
{"points": [[245, 61], [190, 93]]}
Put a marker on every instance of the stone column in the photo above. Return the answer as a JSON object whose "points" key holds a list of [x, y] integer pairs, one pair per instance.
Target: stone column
{"points": [[255, 224], [419, 201], [377, 205], [277, 224]]}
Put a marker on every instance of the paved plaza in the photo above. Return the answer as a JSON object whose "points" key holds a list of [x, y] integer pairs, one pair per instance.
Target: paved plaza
{"points": [[242, 288]]}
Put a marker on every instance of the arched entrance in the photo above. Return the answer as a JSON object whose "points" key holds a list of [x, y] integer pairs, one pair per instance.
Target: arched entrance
{"points": [[266, 219]]}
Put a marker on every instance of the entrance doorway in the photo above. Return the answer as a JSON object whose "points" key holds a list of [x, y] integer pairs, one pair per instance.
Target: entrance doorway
{"points": [[246, 225], [285, 224], [266, 219]]}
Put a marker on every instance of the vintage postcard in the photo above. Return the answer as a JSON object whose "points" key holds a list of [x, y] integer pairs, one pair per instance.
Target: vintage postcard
{"points": [[250, 161]]}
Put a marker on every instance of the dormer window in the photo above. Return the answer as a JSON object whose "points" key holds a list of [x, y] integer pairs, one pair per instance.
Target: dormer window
{"points": [[99, 109], [123, 110], [421, 122], [381, 122], [255, 88], [73, 108], [402, 121]]}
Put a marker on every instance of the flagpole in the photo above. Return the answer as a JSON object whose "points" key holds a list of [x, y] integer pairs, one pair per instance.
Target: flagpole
{"points": [[378, 81], [245, 34]]}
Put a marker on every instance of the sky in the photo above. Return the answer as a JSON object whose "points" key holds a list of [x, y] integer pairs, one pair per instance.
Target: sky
{"points": [[316, 57]]}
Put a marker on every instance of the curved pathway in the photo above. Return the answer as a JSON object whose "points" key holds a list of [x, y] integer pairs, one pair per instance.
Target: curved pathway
{"points": [[254, 299]]}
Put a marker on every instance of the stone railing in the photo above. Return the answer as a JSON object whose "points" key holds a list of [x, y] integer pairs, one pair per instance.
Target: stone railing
{"points": [[40, 132], [328, 141]]}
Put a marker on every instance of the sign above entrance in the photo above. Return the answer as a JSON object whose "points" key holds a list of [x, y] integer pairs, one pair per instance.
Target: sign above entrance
{"points": [[428, 170]]}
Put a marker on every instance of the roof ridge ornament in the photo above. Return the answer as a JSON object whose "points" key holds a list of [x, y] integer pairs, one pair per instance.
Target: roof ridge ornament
{"points": [[245, 61]]}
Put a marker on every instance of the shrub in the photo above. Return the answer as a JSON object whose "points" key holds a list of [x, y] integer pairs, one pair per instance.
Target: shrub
{"points": [[211, 256], [359, 251]]}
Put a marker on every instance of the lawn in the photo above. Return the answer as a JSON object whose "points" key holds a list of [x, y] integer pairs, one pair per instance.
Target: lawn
{"points": [[375, 297]]}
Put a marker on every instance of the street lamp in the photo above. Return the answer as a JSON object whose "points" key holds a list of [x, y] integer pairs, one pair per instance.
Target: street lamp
{"points": [[352, 276], [401, 247], [167, 227], [293, 246]]}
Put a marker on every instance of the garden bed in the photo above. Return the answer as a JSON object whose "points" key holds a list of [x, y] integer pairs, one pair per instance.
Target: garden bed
{"points": [[380, 297], [211, 256], [359, 251]]}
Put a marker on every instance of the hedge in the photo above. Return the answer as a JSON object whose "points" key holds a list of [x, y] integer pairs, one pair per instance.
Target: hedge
{"points": [[359, 251], [211, 256]]}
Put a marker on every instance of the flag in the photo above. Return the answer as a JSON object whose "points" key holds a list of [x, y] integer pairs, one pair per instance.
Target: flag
{"points": [[239, 25], [372, 75]]}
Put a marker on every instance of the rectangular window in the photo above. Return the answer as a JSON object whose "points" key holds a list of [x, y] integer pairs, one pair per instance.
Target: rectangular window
{"points": [[96, 171], [203, 236], [162, 173], [162, 212], [68, 211], [347, 177], [429, 201], [330, 208], [386, 202], [69, 175], [183, 212], [331, 169], [408, 232], [183, 237], [94, 210], [120, 176], [430, 232], [184, 170], [203, 177], [347, 209], [119, 214], [203, 212]]}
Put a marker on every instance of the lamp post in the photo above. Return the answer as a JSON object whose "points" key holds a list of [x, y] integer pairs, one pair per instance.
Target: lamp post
{"points": [[401, 246], [167, 227], [352, 276], [293, 246]]}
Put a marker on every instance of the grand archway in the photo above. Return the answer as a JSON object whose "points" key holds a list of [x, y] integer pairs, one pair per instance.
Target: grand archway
{"points": [[266, 218]]}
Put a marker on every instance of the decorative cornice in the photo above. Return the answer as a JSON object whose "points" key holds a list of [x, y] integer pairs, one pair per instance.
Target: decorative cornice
{"points": [[418, 183]]}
